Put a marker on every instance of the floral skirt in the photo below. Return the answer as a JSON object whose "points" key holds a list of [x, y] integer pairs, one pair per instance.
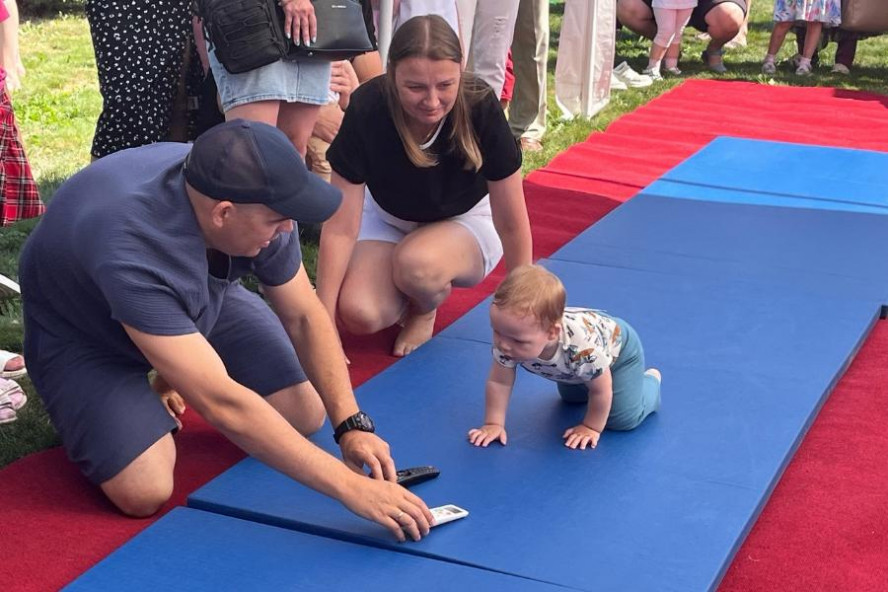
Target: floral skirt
{"points": [[828, 12]]}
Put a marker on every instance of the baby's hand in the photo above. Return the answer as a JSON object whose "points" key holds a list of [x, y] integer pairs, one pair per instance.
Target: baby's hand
{"points": [[489, 432], [581, 436]]}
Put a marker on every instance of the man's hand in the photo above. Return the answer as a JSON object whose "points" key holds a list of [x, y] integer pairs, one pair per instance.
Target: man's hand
{"points": [[489, 432], [581, 436], [360, 449], [173, 401], [391, 506]]}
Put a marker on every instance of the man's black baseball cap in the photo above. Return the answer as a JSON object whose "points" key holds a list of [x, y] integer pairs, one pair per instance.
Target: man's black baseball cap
{"points": [[251, 162]]}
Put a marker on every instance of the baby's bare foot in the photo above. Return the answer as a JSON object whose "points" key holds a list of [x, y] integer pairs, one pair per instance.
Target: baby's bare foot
{"points": [[655, 373], [416, 330]]}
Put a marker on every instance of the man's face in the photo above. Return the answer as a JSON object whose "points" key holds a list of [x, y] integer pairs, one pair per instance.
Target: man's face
{"points": [[248, 228]]}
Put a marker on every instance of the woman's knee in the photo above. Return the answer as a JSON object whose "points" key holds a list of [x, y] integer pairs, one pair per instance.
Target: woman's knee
{"points": [[417, 271], [361, 316]]}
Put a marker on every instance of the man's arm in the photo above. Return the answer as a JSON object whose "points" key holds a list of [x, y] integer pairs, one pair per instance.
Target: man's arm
{"points": [[193, 369], [311, 330]]}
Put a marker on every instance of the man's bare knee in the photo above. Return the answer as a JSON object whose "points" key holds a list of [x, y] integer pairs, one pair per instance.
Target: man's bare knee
{"points": [[300, 405], [141, 504], [146, 484]]}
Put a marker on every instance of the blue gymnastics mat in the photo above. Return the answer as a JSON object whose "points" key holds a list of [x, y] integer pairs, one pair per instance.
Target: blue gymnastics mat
{"points": [[757, 172], [663, 507], [825, 252], [193, 550]]}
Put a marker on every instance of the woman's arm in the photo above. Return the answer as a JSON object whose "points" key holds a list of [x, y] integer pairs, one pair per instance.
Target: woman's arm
{"points": [[338, 237], [510, 219]]}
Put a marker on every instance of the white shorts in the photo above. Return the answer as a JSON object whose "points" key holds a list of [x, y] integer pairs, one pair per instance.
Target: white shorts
{"points": [[379, 225]]}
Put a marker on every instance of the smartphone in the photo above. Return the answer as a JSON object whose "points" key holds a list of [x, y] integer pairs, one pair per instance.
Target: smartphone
{"points": [[448, 513]]}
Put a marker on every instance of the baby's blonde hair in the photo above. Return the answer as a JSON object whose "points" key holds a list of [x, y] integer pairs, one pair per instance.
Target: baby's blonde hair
{"points": [[532, 290]]}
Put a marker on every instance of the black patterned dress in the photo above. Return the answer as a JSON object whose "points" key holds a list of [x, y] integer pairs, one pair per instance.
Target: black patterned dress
{"points": [[139, 46]]}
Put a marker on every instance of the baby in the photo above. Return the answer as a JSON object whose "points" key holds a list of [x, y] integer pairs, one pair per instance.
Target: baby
{"points": [[595, 359]]}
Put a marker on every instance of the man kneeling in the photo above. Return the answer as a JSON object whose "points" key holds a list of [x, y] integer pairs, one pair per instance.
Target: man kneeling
{"points": [[136, 265]]}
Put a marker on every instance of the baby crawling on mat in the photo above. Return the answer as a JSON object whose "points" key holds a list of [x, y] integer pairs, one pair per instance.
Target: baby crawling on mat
{"points": [[595, 359]]}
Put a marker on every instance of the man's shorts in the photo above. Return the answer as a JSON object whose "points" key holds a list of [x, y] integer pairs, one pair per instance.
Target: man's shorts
{"points": [[102, 405], [698, 16]]}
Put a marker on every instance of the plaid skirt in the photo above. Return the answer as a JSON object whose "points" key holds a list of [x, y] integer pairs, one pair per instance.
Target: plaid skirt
{"points": [[19, 197]]}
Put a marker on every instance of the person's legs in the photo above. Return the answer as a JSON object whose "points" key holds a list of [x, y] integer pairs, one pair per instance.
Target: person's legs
{"points": [[297, 120], [258, 354], [369, 301], [637, 16], [666, 19], [110, 421], [145, 484], [138, 47], [636, 393], [682, 16], [846, 49], [722, 21], [530, 54], [492, 30], [425, 267], [778, 34]]}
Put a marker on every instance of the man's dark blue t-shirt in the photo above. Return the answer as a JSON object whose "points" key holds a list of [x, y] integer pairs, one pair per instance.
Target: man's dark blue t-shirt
{"points": [[120, 243]]}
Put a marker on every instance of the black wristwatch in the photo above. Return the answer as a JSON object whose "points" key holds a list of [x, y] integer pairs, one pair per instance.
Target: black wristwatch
{"points": [[359, 421]]}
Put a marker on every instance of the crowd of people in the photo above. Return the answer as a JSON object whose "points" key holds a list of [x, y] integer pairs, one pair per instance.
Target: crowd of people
{"points": [[132, 301]]}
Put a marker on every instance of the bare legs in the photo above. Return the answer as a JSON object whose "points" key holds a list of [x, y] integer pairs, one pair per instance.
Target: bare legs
{"points": [[145, 485], [388, 283], [294, 119]]}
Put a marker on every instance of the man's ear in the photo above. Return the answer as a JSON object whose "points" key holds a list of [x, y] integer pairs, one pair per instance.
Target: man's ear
{"points": [[221, 212]]}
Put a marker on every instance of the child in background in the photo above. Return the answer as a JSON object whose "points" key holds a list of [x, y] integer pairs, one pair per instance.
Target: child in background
{"points": [[816, 14], [671, 16], [18, 193], [595, 359]]}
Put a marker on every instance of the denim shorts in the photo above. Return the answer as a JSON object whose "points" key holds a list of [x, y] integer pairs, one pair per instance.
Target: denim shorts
{"points": [[300, 81]]}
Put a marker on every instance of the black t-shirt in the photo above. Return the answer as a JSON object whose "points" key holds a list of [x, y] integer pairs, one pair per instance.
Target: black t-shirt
{"points": [[368, 150]]}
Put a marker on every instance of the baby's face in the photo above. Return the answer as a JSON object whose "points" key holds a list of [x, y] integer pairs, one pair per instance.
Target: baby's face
{"points": [[521, 338]]}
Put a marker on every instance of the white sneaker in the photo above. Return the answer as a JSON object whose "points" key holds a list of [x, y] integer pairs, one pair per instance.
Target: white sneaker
{"points": [[841, 69], [630, 77], [653, 74], [616, 83]]}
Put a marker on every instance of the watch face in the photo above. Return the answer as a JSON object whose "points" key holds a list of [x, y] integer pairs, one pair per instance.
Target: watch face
{"points": [[365, 422]]}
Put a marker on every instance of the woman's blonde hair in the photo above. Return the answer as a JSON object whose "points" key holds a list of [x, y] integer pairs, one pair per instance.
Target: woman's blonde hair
{"points": [[532, 290], [431, 37]]}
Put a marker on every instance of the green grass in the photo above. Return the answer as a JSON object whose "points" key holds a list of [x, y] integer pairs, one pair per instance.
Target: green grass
{"points": [[59, 104]]}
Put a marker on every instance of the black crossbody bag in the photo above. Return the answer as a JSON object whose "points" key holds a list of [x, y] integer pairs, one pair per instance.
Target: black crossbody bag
{"points": [[249, 34]]}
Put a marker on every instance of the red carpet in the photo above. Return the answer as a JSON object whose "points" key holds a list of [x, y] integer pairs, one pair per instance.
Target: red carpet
{"points": [[824, 527]]}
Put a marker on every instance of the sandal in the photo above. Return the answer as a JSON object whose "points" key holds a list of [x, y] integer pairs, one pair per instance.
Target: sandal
{"points": [[11, 390], [718, 66], [12, 398], [5, 358]]}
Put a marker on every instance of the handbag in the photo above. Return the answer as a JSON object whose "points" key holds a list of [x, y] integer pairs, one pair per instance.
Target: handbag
{"points": [[245, 34], [342, 32]]}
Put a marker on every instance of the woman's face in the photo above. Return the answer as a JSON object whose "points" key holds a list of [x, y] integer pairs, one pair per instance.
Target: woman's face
{"points": [[427, 88]]}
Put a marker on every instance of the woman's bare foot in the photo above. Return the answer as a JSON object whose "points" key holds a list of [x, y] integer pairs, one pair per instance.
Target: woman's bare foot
{"points": [[416, 330]]}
